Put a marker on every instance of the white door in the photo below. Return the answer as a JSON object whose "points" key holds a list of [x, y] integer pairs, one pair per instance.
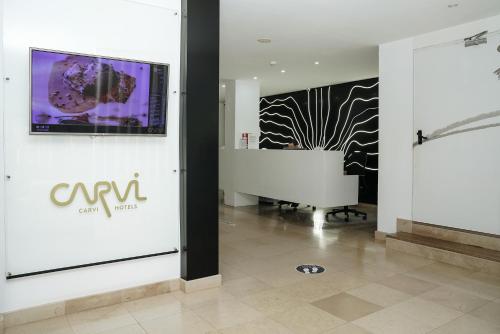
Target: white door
{"points": [[457, 106]]}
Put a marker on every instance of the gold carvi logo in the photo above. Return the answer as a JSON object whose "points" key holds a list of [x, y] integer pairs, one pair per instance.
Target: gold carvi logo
{"points": [[101, 190]]}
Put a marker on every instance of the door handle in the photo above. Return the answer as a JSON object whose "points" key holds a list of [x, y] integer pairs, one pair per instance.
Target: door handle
{"points": [[421, 137]]}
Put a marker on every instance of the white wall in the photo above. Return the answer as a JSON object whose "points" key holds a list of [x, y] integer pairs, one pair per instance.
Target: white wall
{"points": [[64, 25], [2, 173], [396, 118], [222, 122], [225, 152], [395, 134], [241, 115], [230, 114], [247, 99]]}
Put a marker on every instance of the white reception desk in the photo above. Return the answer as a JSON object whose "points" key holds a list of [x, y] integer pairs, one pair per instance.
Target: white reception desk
{"points": [[308, 177]]}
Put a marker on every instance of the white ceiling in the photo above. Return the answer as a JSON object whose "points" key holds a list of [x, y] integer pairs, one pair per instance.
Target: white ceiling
{"points": [[342, 35]]}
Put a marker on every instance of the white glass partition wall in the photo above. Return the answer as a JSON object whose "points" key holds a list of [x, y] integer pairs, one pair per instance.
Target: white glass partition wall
{"points": [[74, 200], [457, 107]]}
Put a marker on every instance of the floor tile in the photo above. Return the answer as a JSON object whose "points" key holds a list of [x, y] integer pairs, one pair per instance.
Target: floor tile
{"points": [[399, 262], [262, 248], [59, 325], [227, 313], [369, 272], [100, 320], [233, 256], [483, 285], [379, 294], [271, 301], [467, 324], [454, 298], [426, 312], [198, 298], [132, 329], [308, 319], [489, 312], [347, 329], [259, 326], [253, 266], [181, 323], [310, 290], [341, 281], [439, 273], [493, 280], [389, 321], [310, 255], [154, 307], [229, 273], [346, 306], [407, 284], [280, 277], [244, 286]]}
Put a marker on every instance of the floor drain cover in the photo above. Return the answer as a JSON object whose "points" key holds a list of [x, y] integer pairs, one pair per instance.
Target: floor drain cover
{"points": [[310, 269]]}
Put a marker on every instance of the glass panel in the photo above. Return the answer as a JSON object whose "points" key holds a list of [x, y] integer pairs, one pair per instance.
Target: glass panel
{"points": [[457, 107], [73, 200]]}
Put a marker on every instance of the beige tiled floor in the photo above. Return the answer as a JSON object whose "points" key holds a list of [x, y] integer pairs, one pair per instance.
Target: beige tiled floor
{"points": [[363, 290], [347, 306]]}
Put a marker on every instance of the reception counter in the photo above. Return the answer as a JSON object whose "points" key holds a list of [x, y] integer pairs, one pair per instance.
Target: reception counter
{"points": [[308, 177]]}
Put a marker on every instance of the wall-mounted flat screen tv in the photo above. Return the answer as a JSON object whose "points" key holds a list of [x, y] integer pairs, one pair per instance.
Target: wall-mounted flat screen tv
{"points": [[83, 94]]}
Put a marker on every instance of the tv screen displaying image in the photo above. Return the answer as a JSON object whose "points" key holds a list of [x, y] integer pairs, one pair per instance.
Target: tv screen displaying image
{"points": [[83, 94]]}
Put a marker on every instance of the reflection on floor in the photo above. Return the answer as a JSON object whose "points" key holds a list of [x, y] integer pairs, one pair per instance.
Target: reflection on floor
{"points": [[363, 290]]}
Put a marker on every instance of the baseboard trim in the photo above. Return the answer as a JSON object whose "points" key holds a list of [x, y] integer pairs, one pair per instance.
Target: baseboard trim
{"points": [[201, 284], [380, 236], [48, 311], [404, 225], [445, 256], [467, 237]]}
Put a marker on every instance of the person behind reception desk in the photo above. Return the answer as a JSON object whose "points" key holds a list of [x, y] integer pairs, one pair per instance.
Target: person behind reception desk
{"points": [[292, 146]]}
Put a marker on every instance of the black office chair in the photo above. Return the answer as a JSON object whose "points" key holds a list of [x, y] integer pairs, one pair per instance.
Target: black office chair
{"points": [[358, 168], [293, 205]]}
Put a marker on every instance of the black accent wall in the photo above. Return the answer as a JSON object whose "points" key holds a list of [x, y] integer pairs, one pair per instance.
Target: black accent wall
{"points": [[337, 117], [199, 139]]}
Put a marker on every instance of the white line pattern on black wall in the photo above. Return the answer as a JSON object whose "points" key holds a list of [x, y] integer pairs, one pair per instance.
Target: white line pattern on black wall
{"points": [[340, 117], [320, 126]]}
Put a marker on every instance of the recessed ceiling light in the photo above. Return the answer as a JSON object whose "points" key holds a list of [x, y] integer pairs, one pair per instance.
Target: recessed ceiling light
{"points": [[283, 71], [255, 78], [316, 63], [223, 86], [453, 5], [264, 40]]}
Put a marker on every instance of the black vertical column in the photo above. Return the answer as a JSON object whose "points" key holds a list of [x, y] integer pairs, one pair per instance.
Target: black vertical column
{"points": [[199, 139]]}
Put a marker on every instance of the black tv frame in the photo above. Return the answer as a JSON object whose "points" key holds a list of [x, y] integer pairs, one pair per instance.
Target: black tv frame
{"points": [[98, 130]]}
